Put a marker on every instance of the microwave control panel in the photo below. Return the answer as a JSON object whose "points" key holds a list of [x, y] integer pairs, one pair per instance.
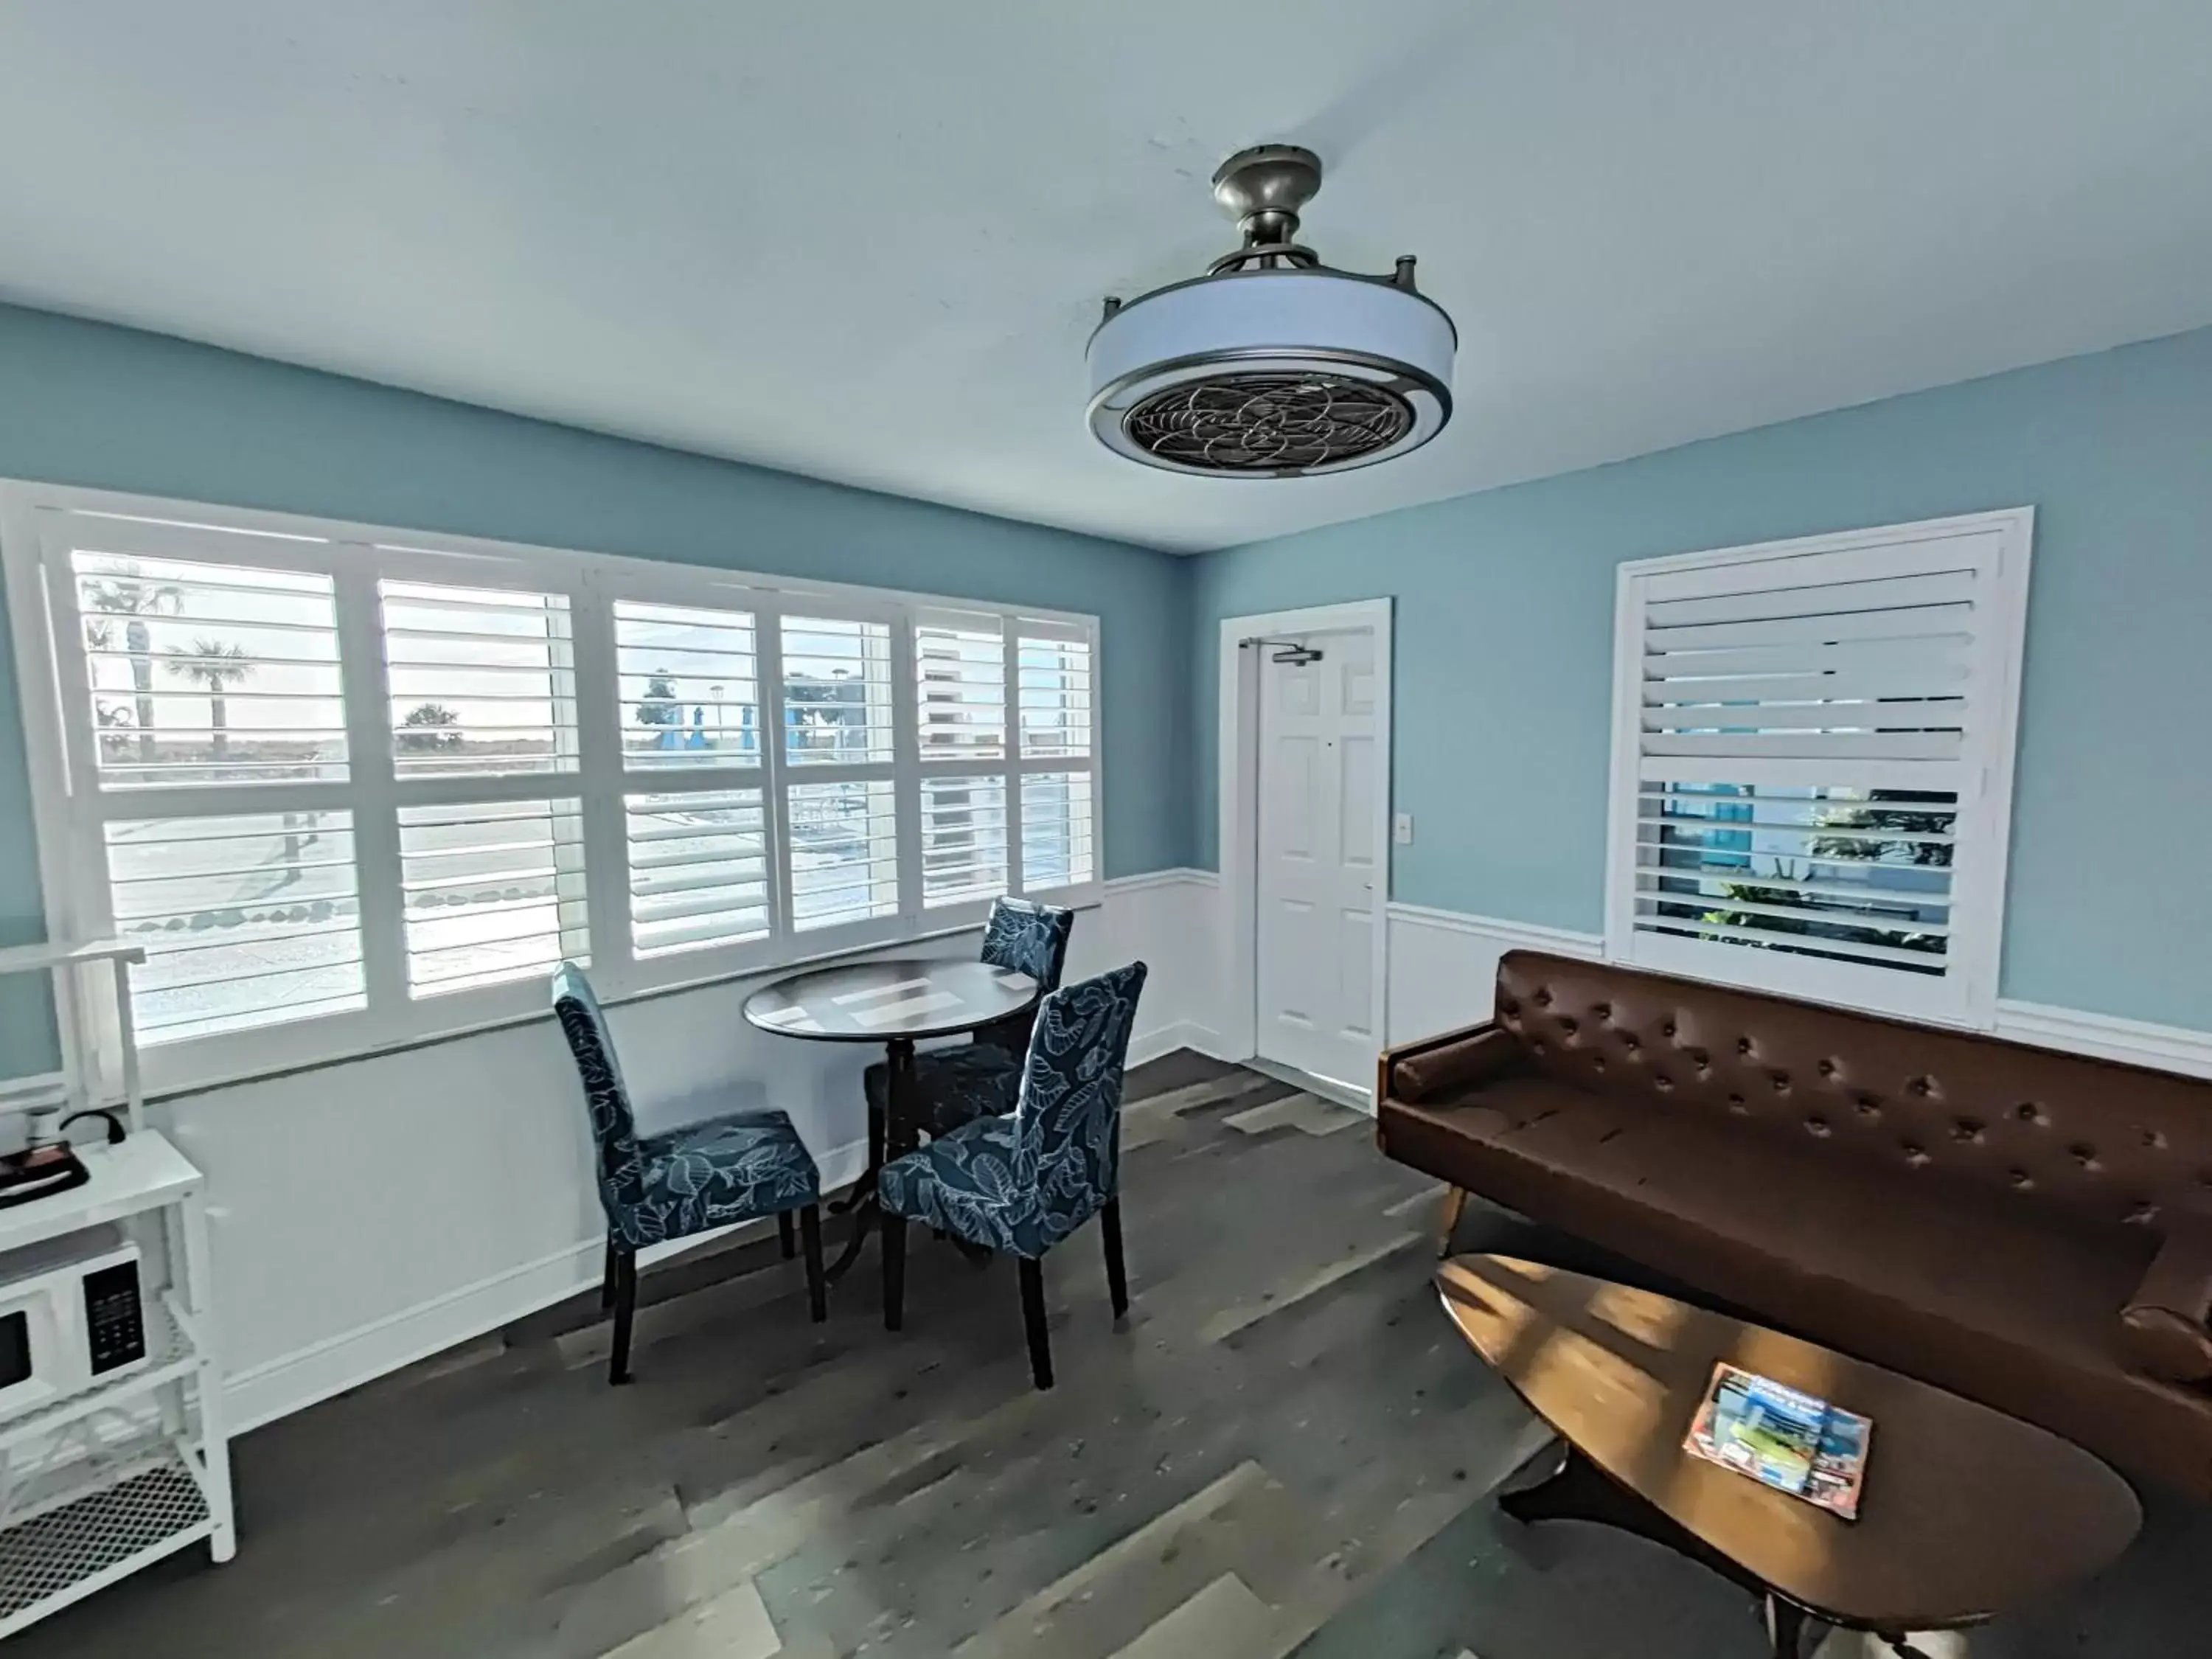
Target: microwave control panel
{"points": [[115, 1319]]}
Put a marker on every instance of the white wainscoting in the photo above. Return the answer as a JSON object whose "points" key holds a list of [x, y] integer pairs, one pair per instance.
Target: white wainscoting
{"points": [[1443, 963], [370, 1213]]}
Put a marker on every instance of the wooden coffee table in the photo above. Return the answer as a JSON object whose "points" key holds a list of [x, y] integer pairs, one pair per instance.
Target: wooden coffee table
{"points": [[1965, 1512]]}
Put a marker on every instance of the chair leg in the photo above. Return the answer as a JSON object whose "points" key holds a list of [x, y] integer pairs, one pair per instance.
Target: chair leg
{"points": [[625, 1311], [1117, 1274], [785, 1236], [607, 1277], [1033, 1321], [817, 1291], [893, 1245]]}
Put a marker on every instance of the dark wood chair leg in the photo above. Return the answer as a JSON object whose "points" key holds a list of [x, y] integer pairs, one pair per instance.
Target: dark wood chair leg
{"points": [[607, 1277], [1033, 1321], [893, 1245], [785, 1236], [1117, 1274], [817, 1289], [625, 1312]]}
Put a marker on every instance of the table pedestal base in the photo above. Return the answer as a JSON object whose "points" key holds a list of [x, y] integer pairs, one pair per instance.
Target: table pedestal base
{"points": [[1568, 1487], [864, 1203]]}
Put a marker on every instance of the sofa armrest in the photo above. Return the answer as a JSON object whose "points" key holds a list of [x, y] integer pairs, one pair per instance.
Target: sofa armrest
{"points": [[2167, 1323], [1466, 1059]]}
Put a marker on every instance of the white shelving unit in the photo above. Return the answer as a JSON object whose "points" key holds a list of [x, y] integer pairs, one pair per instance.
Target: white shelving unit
{"points": [[98, 1485]]}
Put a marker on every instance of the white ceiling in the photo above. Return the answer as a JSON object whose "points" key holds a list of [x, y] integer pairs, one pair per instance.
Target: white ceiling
{"points": [[866, 239]]}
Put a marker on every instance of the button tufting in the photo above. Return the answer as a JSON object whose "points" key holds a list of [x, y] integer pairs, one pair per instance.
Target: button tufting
{"points": [[1568, 1026], [1630, 1043], [1663, 1085], [1968, 1130], [2021, 1179], [1543, 999], [2155, 1139], [1817, 1127], [1508, 1006], [1602, 1011], [2028, 1112], [1921, 1085], [1915, 1154], [2083, 1154], [1827, 1068], [2141, 1213], [1739, 1105], [1781, 1081], [1668, 1030], [1869, 1106], [1743, 1045], [1535, 1047], [1597, 1062]]}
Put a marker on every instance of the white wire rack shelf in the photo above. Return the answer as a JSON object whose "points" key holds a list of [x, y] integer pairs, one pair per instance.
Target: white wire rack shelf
{"points": [[100, 1519], [107, 1481]]}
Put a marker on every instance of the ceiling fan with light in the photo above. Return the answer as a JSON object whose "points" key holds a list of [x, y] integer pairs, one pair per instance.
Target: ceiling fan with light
{"points": [[1272, 365]]}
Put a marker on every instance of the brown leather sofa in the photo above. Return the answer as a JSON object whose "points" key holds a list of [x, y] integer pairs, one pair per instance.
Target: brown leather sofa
{"points": [[2030, 1229]]}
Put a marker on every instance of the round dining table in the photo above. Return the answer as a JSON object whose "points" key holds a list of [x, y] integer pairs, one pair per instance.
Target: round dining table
{"points": [[896, 1003]]}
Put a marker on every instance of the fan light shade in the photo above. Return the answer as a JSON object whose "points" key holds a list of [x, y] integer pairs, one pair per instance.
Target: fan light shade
{"points": [[1272, 373]]}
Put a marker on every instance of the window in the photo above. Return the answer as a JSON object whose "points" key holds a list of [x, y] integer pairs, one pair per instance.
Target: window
{"points": [[351, 788], [1813, 762]]}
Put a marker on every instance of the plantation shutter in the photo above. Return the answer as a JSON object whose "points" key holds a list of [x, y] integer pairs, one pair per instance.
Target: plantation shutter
{"points": [[1812, 765]]}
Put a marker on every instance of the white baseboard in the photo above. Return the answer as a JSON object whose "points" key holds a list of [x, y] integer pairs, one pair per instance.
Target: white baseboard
{"points": [[1166, 1039], [1452, 957], [1176, 878], [293, 1382]]}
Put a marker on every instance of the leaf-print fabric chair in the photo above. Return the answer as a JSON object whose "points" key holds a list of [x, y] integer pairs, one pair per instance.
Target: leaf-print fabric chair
{"points": [[654, 1188], [1023, 1182], [953, 1087]]}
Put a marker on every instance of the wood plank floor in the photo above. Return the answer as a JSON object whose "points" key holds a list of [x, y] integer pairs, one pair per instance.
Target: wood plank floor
{"points": [[1284, 1449]]}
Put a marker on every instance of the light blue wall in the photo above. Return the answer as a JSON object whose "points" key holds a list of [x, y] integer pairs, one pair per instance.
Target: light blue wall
{"points": [[84, 404], [1505, 619]]}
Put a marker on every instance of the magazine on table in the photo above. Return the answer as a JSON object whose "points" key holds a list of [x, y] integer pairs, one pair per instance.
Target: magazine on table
{"points": [[1792, 1441]]}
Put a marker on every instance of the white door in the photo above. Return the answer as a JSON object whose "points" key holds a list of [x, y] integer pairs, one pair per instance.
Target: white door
{"points": [[1319, 887]]}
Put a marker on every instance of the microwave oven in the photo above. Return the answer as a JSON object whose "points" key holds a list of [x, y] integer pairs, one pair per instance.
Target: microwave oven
{"points": [[71, 1315]]}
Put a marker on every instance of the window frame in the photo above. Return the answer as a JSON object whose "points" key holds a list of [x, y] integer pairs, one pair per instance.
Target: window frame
{"points": [[1966, 994], [35, 545]]}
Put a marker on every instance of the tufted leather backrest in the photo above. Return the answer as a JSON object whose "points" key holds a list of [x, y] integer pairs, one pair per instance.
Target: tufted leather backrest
{"points": [[2112, 1142]]}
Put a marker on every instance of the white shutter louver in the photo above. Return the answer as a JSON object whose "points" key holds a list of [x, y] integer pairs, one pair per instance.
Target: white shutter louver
{"points": [[1812, 765], [1055, 691], [1056, 837], [689, 687], [698, 869], [963, 839], [482, 680], [1058, 802], [210, 673], [844, 854], [247, 920], [960, 684], [490, 892], [836, 691]]}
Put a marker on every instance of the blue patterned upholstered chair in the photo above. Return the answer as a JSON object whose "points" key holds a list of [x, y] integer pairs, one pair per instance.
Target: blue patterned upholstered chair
{"points": [[655, 1188], [952, 1086], [1023, 1182]]}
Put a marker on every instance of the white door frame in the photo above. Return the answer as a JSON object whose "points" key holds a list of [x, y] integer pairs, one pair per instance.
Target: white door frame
{"points": [[1238, 776]]}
